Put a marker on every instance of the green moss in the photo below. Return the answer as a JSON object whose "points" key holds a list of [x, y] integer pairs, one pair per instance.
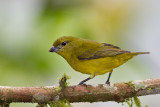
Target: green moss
{"points": [[62, 82], [58, 89], [137, 101], [66, 76], [129, 101], [130, 83], [62, 85], [134, 101], [149, 89]]}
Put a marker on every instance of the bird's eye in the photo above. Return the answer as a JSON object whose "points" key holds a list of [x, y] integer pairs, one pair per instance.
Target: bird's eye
{"points": [[64, 43]]}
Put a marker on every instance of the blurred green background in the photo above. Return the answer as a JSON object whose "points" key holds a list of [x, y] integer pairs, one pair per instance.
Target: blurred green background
{"points": [[28, 29]]}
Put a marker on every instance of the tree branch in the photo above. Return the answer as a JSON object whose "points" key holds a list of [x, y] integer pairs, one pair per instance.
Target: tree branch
{"points": [[79, 93]]}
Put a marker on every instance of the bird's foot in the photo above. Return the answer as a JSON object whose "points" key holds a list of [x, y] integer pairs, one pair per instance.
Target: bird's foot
{"points": [[83, 84], [108, 83]]}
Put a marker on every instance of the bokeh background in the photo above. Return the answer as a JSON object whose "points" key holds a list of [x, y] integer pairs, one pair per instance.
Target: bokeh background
{"points": [[29, 27]]}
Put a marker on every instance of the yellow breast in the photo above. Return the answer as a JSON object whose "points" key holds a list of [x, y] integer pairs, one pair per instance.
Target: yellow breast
{"points": [[98, 66]]}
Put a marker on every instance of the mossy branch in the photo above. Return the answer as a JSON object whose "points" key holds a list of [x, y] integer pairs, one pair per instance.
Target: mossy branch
{"points": [[117, 92]]}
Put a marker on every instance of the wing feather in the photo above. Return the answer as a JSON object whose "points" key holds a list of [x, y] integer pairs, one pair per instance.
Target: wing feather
{"points": [[106, 50]]}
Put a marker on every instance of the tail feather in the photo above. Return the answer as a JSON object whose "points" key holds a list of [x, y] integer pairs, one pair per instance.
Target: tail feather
{"points": [[136, 53], [128, 55]]}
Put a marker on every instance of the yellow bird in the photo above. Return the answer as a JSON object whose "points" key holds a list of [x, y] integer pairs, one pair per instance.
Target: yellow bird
{"points": [[90, 57]]}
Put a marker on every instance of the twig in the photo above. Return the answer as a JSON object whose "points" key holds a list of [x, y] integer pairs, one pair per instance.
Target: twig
{"points": [[91, 93]]}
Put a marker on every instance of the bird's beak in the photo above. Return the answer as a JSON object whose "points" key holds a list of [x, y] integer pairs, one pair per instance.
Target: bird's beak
{"points": [[53, 49]]}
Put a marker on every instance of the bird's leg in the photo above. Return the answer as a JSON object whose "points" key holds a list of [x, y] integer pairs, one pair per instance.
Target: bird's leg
{"points": [[82, 82], [107, 82]]}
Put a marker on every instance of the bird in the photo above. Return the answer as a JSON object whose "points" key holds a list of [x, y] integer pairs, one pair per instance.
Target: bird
{"points": [[91, 57]]}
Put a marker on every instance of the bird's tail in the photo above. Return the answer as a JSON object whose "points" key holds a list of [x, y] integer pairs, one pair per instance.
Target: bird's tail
{"points": [[128, 55], [137, 53]]}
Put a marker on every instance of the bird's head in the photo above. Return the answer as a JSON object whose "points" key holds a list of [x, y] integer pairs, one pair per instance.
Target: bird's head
{"points": [[64, 45]]}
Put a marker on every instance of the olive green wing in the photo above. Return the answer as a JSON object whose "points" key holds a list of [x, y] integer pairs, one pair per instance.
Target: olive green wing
{"points": [[106, 50]]}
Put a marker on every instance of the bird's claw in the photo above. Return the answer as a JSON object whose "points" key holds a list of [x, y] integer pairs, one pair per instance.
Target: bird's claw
{"points": [[83, 84], [108, 83]]}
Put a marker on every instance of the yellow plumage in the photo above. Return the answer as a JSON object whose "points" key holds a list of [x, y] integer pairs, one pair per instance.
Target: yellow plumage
{"points": [[90, 57]]}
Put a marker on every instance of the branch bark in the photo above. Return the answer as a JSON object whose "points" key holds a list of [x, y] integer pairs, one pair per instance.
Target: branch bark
{"points": [[79, 93]]}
